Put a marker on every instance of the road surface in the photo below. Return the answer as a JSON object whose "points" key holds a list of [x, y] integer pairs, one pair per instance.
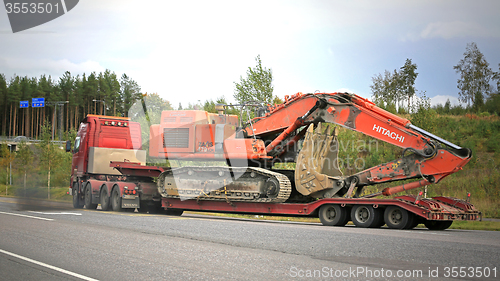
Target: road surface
{"points": [[56, 242]]}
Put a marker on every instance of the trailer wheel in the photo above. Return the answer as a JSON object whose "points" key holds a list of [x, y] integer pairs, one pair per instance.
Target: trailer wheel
{"points": [[88, 198], [76, 197], [105, 200], [437, 225], [173, 212], [398, 218], [333, 215], [366, 216], [116, 200]]}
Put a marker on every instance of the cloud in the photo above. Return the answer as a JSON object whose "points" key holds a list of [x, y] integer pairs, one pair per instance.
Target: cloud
{"points": [[448, 30], [36, 67], [441, 99], [453, 29]]}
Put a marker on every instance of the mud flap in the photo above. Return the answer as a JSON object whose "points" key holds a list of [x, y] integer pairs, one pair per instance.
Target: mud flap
{"points": [[317, 171], [129, 202]]}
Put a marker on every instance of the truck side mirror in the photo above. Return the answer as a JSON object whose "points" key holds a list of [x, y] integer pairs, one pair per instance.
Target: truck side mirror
{"points": [[68, 146]]}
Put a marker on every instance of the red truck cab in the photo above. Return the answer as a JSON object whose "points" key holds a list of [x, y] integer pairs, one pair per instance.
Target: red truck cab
{"points": [[99, 141]]}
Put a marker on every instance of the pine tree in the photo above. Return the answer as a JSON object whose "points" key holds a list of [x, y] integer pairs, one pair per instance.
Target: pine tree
{"points": [[3, 102], [130, 92], [14, 95]]}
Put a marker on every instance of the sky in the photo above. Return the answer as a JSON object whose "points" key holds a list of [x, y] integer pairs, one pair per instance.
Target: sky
{"points": [[192, 51]]}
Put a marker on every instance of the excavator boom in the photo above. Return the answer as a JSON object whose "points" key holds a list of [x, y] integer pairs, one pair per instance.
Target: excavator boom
{"points": [[317, 174]]}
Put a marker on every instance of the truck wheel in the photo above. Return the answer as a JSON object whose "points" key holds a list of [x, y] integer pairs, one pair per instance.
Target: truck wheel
{"points": [[88, 198], [333, 215], [116, 200], [76, 197], [174, 212], [437, 225], [366, 216], [104, 198], [398, 218]]}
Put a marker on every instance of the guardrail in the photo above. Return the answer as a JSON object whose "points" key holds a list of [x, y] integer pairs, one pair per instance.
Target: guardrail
{"points": [[20, 139]]}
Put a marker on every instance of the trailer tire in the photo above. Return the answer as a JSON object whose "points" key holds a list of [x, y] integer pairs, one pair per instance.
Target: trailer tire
{"points": [[366, 216], [104, 198], [398, 218], [333, 215], [76, 197], [116, 200], [88, 198], [437, 225]]}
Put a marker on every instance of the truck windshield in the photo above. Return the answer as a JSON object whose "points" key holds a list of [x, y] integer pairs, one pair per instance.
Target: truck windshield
{"points": [[77, 145]]}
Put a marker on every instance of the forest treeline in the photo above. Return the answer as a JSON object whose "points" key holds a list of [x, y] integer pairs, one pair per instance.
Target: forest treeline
{"points": [[69, 98], [478, 87]]}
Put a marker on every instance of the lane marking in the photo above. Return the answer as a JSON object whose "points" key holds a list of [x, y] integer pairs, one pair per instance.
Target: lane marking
{"points": [[26, 216], [422, 232], [52, 213], [49, 266]]}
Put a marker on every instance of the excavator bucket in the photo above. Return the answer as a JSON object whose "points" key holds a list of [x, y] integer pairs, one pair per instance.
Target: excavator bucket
{"points": [[317, 169]]}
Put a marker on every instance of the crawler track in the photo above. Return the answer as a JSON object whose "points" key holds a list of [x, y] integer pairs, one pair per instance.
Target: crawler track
{"points": [[225, 184]]}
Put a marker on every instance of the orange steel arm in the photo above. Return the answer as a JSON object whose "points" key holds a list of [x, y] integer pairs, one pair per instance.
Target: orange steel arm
{"points": [[351, 111], [432, 159]]}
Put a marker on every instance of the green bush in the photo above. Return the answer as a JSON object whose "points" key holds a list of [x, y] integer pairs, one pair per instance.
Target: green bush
{"points": [[493, 143]]}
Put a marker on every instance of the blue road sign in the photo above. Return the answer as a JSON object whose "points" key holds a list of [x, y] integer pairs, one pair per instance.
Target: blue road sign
{"points": [[24, 104], [38, 102]]}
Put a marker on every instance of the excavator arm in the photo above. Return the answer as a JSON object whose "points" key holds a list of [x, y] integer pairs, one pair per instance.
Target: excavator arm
{"points": [[426, 156]]}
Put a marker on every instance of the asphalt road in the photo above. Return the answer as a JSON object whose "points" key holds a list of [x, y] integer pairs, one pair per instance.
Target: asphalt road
{"points": [[56, 242]]}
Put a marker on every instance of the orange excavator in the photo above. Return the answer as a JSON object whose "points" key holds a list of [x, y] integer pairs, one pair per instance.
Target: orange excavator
{"points": [[109, 166], [293, 131]]}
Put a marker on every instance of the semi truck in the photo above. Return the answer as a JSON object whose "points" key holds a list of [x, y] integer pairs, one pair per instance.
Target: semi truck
{"points": [[109, 165]]}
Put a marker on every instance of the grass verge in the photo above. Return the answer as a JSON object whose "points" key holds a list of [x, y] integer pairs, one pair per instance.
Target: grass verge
{"points": [[56, 193], [476, 225]]}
